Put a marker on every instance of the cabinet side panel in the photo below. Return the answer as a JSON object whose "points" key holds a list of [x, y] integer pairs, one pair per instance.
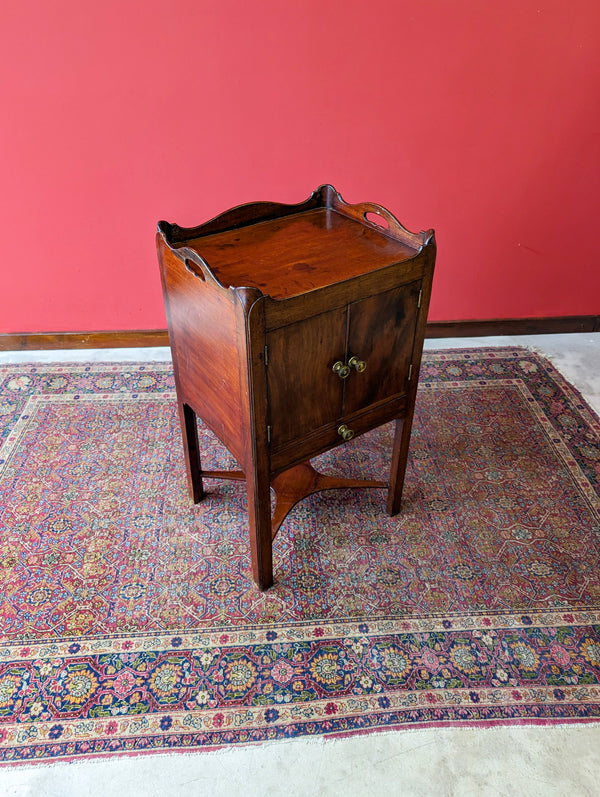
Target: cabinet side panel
{"points": [[205, 347]]}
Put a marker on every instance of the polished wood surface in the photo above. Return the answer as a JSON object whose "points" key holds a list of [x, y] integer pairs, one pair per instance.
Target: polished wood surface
{"points": [[303, 480], [293, 329], [299, 253], [381, 332], [203, 324], [301, 356]]}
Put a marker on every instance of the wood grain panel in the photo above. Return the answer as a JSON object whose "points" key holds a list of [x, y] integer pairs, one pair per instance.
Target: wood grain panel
{"points": [[206, 356], [381, 332], [304, 393]]}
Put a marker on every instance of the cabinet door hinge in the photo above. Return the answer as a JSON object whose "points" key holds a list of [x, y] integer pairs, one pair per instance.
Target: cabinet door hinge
{"points": [[419, 299], [410, 372], [268, 434], [266, 355]]}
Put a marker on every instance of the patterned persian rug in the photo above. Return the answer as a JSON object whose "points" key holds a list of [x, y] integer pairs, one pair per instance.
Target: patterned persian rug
{"points": [[129, 621]]}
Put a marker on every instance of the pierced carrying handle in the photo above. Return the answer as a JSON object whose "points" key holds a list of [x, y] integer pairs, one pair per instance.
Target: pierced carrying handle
{"points": [[195, 264], [381, 219], [378, 217], [194, 269]]}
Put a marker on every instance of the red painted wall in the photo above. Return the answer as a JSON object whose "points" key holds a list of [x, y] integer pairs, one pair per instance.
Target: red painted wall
{"points": [[478, 118]]}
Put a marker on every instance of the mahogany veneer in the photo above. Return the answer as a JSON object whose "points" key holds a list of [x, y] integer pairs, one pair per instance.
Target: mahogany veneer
{"points": [[294, 328]]}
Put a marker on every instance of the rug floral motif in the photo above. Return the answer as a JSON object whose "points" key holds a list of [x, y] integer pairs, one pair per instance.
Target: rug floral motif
{"points": [[129, 621]]}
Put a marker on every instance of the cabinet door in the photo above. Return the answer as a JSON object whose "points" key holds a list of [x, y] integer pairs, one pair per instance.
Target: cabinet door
{"points": [[381, 332], [304, 393]]}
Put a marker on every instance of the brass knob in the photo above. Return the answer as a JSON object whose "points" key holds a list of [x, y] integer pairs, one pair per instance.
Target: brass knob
{"points": [[345, 433], [341, 370], [355, 362]]}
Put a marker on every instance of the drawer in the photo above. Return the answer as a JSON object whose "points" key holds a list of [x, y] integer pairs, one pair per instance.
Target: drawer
{"points": [[328, 436]]}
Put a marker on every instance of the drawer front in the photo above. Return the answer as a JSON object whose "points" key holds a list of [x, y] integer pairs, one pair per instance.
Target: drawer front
{"points": [[328, 436]]}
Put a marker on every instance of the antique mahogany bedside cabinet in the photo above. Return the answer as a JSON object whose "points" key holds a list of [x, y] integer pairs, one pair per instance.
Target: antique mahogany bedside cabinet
{"points": [[293, 329]]}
